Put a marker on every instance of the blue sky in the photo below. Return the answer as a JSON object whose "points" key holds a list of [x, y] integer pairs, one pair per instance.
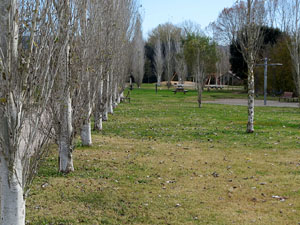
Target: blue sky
{"points": [[203, 12]]}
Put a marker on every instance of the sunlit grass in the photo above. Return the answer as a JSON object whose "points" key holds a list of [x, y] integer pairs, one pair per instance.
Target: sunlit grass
{"points": [[162, 160]]}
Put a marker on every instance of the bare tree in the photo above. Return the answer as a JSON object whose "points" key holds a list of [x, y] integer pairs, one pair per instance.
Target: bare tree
{"points": [[138, 61], [200, 54], [223, 64], [60, 105], [158, 61], [180, 62], [288, 14], [26, 58], [168, 58], [168, 34], [242, 24]]}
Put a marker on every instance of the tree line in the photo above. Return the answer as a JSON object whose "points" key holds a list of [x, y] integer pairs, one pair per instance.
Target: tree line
{"points": [[183, 51], [61, 62], [250, 30]]}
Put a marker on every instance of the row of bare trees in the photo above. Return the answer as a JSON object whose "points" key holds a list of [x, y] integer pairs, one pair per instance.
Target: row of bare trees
{"points": [[168, 52], [61, 61], [185, 50]]}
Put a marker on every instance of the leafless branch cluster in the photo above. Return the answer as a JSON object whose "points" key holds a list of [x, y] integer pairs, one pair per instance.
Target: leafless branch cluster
{"points": [[286, 16], [166, 41], [60, 62], [242, 25], [138, 55]]}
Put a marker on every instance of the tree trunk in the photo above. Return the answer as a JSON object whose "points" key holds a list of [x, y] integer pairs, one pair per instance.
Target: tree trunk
{"points": [[11, 169], [200, 89], [86, 135], [86, 132], [98, 109], [66, 137], [110, 90], [110, 109], [105, 115], [104, 104], [115, 96], [297, 83], [250, 125], [200, 97], [118, 98], [98, 121], [12, 194], [158, 80]]}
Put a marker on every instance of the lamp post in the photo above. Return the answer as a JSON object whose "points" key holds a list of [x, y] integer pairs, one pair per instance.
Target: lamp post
{"points": [[266, 76]]}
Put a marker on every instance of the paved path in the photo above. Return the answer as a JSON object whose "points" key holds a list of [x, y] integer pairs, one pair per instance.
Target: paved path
{"points": [[257, 103]]}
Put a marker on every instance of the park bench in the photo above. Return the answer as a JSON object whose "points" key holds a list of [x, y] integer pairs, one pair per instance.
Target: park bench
{"points": [[287, 96], [127, 97]]}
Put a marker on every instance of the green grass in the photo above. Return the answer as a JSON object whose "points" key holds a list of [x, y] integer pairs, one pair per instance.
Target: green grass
{"points": [[162, 160]]}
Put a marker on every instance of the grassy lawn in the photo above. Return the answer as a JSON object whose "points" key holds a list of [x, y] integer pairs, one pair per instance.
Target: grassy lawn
{"points": [[162, 160]]}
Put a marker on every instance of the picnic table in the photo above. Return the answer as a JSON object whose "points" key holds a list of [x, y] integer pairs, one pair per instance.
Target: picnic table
{"points": [[180, 88]]}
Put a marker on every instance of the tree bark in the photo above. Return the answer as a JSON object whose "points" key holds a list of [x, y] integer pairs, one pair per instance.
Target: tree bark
{"points": [[200, 97], [12, 199], [86, 135], [11, 172], [104, 104], [65, 137], [110, 109], [250, 125], [98, 109], [12, 193], [158, 80], [115, 96]]}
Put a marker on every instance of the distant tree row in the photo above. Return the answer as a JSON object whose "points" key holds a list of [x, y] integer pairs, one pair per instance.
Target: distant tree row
{"points": [[182, 52], [251, 30]]}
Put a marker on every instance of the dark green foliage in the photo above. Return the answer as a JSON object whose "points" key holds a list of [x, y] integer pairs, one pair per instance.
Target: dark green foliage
{"points": [[149, 76], [194, 43], [238, 64]]}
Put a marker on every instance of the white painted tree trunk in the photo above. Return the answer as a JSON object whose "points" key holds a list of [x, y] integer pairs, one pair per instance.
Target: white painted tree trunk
{"points": [[86, 133], [11, 169], [122, 96], [119, 98], [98, 121], [110, 109], [115, 96], [158, 80], [65, 137], [12, 199], [98, 109], [12, 193], [105, 98], [250, 125]]}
